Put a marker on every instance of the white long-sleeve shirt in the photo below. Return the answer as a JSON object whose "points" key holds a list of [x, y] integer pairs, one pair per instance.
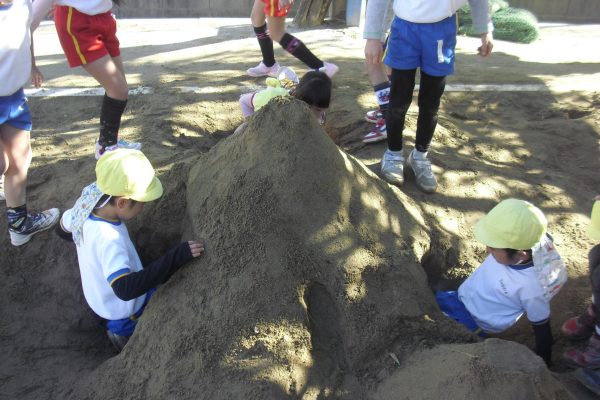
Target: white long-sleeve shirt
{"points": [[15, 46]]}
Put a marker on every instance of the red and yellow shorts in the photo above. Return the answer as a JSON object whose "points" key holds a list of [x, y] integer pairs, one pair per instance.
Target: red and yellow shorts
{"points": [[85, 38], [272, 8]]}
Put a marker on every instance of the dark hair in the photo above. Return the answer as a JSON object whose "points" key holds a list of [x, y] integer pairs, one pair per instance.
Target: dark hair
{"points": [[314, 89], [512, 252], [110, 201]]}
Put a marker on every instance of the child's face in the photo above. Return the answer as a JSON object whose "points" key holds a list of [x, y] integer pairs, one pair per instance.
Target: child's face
{"points": [[126, 209], [502, 257]]}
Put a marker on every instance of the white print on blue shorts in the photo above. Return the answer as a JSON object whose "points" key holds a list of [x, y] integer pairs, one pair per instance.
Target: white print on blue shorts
{"points": [[426, 46]]}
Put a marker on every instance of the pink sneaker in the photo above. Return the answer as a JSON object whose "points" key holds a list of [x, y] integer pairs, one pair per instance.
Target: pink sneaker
{"points": [[329, 68], [373, 116], [378, 133], [262, 70]]}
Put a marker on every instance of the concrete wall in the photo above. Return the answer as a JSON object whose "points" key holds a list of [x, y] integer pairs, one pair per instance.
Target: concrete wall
{"points": [[545, 10], [561, 10], [184, 8]]}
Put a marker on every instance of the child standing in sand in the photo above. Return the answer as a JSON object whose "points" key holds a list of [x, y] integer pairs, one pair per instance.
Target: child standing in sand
{"points": [[508, 283], [87, 32], [115, 284], [268, 20], [587, 325], [314, 89], [17, 65]]}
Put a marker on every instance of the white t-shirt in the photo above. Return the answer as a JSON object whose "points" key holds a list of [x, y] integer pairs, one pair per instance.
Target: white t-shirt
{"points": [[15, 43], [105, 254], [89, 7], [497, 295]]}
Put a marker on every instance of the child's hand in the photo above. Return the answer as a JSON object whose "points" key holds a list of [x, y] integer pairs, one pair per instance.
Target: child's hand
{"points": [[197, 248], [36, 77], [597, 197]]}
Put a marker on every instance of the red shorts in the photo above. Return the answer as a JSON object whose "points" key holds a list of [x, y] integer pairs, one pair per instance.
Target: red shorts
{"points": [[272, 8], [85, 38]]}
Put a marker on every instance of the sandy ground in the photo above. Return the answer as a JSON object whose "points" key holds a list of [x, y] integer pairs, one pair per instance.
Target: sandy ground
{"points": [[541, 146]]}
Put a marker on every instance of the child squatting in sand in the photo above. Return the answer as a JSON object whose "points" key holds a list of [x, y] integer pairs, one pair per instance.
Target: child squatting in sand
{"points": [[115, 284], [520, 275]]}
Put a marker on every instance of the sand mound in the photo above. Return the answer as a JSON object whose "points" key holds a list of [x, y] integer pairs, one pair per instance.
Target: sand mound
{"points": [[310, 280]]}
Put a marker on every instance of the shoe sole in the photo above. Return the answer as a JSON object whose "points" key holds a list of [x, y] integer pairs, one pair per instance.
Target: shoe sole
{"points": [[375, 140], [25, 239], [373, 121]]}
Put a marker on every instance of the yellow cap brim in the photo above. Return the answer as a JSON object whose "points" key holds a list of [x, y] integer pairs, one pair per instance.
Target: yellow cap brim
{"points": [[483, 235], [152, 192]]}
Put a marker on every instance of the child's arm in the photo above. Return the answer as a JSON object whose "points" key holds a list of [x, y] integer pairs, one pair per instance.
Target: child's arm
{"points": [[41, 8], [157, 272], [36, 76], [543, 340]]}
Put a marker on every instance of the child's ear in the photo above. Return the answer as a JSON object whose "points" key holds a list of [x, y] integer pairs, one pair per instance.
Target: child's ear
{"points": [[121, 202]]}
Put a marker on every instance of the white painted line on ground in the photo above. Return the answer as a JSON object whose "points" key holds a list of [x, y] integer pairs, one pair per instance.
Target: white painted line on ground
{"points": [[68, 92], [65, 92]]}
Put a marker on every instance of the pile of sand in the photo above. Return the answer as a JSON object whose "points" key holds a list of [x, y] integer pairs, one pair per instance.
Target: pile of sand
{"points": [[309, 282]]}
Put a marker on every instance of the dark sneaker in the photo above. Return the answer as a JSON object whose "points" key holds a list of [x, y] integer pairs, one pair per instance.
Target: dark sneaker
{"points": [[581, 327], [589, 378], [588, 357], [117, 341], [36, 222]]}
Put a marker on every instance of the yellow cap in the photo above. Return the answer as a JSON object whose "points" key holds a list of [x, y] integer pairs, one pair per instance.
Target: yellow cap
{"points": [[512, 224], [127, 173], [593, 228]]}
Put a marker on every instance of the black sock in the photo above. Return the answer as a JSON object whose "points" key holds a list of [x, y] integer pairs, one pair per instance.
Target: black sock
{"points": [[266, 45], [295, 47], [16, 216], [110, 120]]}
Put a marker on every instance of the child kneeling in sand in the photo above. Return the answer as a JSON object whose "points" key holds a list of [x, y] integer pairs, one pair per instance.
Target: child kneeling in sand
{"points": [[521, 274], [115, 284], [314, 89]]}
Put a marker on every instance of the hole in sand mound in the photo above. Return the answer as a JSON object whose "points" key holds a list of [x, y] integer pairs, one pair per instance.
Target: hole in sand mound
{"points": [[326, 339]]}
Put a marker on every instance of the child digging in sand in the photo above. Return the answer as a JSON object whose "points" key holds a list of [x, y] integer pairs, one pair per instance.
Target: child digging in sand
{"points": [[115, 284]]}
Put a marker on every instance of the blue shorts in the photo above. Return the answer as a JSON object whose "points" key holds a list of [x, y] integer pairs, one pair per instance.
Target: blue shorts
{"points": [[126, 326], [426, 46], [14, 111], [451, 305]]}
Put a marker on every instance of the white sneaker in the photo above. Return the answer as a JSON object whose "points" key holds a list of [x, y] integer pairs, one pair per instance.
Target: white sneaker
{"points": [[262, 70], [423, 174], [377, 134], [329, 68], [392, 167], [121, 144]]}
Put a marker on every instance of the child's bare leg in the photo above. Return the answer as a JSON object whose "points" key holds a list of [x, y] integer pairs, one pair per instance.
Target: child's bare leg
{"points": [[257, 15], [377, 73], [109, 72], [15, 161]]}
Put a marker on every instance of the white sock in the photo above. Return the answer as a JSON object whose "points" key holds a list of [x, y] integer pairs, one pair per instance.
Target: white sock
{"points": [[394, 154], [417, 155]]}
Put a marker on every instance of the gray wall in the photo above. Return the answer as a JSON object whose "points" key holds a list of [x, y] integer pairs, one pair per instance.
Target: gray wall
{"points": [[545, 10], [184, 8]]}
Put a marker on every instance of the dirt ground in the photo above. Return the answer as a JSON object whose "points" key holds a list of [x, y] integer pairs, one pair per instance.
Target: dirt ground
{"points": [[539, 145]]}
